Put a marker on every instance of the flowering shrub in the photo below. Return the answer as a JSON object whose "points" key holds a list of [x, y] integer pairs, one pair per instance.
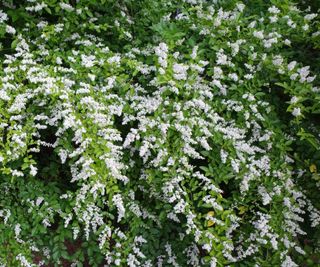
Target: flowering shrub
{"points": [[159, 133]]}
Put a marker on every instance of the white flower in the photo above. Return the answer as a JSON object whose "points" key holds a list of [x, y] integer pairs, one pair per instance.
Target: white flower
{"points": [[176, 55], [17, 173], [194, 52], [76, 231], [294, 100], [91, 76], [66, 7], [310, 16], [115, 59], [296, 112], [277, 60], [240, 7], [42, 24], [291, 65], [273, 19], [252, 24], [39, 201], [23, 261], [300, 250], [3, 16], [258, 34], [117, 200], [180, 71], [88, 61], [291, 24], [266, 199], [288, 262], [58, 60], [10, 30], [223, 156], [269, 42], [58, 27], [180, 206], [222, 59], [17, 230], [248, 76], [274, 10], [213, 262], [287, 42], [46, 222], [233, 76], [305, 27], [161, 51], [33, 170]]}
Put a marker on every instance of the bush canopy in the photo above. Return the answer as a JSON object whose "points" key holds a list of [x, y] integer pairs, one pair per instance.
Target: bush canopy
{"points": [[159, 133]]}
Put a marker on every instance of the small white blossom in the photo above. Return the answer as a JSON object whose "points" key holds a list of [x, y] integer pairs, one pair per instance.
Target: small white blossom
{"points": [[117, 200], [296, 112], [66, 7], [291, 65], [274, 10], [10, 30]]}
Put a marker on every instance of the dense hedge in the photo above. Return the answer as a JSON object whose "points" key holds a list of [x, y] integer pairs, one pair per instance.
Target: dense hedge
{"points": [[159, 133]]}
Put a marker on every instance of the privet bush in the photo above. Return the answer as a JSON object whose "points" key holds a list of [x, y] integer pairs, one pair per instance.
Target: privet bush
{"points": [[159, 133]]}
